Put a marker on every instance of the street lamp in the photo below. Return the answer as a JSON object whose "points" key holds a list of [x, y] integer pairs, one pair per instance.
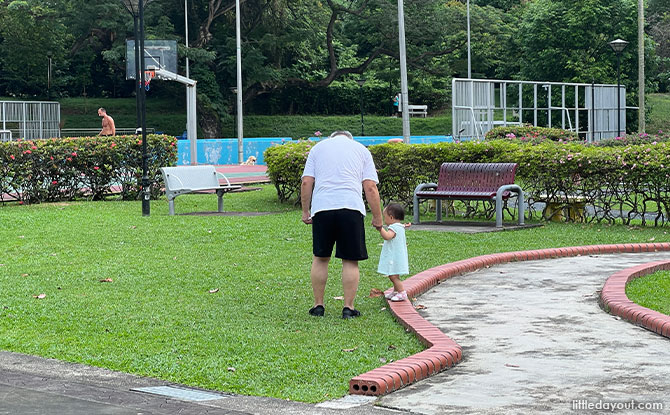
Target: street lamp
{"points": [[361, 82], [618, 46], [49, 56], [136, 9]]}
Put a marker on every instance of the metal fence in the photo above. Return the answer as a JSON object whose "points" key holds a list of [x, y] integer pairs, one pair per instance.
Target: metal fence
{"points": [[591, 110], [90, 132], [29, 120]]}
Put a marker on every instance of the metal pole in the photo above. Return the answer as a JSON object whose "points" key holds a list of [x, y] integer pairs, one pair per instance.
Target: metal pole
{"points": [[186, 37], [593, 111], [189, 128], [240, 127], [469, 58], [404, 97], [618, 93], [138, 86], [642, 122], [146, 193], [360, 87]]}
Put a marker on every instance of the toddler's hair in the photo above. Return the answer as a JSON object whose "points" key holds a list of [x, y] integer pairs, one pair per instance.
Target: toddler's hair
{"points": [[396, 210]]}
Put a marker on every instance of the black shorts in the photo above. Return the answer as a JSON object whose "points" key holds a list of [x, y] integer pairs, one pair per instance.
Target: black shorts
{"points": [[344, 227]]}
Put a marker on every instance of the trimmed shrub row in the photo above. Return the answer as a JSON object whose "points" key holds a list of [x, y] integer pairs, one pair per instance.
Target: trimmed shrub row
{"points": [[620, 182], [68, 168]]}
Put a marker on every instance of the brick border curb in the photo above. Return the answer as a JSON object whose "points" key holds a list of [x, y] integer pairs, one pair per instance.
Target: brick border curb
{"points": [[443, 352], [616, 302]]}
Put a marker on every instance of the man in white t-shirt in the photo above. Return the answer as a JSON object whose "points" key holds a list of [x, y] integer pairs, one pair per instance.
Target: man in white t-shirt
{"points": [[337, 172]]}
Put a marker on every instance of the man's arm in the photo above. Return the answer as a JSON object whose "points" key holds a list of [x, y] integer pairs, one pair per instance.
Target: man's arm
{"points": [[306, 189], [372, 196], [112, 126]]}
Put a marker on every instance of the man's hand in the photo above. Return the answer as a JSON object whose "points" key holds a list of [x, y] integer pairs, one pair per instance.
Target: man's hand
{"points": [[306, 218], [377, 222]]}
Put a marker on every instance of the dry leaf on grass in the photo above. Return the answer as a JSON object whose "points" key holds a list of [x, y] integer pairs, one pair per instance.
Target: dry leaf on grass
{"points": [[375, 292], [106, 280], [349, 350], [40, 296], [338, 298], [420, 307], [215, 290], [231, 369]]}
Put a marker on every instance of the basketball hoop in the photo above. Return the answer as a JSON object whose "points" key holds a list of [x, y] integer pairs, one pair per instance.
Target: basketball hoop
{"points": [[148, 76]]}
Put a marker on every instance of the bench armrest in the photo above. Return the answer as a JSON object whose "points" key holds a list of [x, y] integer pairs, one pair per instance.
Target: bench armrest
{"points": [[419, 188], [224, 177]]}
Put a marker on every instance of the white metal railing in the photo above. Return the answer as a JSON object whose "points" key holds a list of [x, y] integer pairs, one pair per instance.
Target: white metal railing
{"points": [[478, 105], [89, 132], [30, 119]]}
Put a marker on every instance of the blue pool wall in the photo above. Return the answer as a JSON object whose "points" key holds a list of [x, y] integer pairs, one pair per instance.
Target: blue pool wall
{"points": [[224, 150]]}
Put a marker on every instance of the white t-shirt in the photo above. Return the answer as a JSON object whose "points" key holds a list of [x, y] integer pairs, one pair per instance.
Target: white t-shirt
{"points": [[339, 166]]}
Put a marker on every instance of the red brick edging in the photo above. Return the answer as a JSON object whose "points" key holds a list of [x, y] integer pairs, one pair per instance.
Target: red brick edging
{"points": [[443, 352], [615, 300]]}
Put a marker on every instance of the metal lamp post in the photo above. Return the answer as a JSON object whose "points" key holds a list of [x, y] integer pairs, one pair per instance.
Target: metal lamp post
{"points": [[136, 9], [469, 56], [49, 56], [618, 46], [361, 82]]}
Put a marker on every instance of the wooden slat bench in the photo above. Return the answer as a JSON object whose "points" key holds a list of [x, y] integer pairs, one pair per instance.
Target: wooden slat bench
{"points": [[192, 179], [492, 182]]}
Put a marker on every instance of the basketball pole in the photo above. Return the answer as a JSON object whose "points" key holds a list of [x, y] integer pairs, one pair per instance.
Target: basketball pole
{"points": [[146, 192]]}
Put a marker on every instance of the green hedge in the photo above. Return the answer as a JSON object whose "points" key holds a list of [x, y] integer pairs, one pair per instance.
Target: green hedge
{"points": [[56, 169], [625, 181]]}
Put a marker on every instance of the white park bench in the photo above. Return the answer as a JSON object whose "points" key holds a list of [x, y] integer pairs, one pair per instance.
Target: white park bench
{"points": [[420, 110], [193, 179]]}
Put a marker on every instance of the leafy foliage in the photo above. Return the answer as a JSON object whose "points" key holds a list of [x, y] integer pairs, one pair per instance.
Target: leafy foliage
{"points": [[64, 169], [285, 166]]}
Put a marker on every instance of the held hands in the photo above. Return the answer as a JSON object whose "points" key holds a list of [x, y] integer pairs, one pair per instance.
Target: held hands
{"points": [[377, 223]]}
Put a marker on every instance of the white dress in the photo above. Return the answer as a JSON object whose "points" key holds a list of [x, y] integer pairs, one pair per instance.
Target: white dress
{"points": [[393, 259]]}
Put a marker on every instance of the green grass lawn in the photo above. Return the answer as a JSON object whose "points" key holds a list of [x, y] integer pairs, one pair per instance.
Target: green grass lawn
{"points": [[168, 115], [651, 291], [660, 108], [158, 316]]}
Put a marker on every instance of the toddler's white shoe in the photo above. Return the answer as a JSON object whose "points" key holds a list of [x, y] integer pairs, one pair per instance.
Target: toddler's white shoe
{"points": [[390, 295], [401, 296]]}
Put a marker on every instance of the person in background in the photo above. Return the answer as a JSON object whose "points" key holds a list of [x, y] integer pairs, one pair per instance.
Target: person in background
{"points": [[108, 127], [337, 172]]}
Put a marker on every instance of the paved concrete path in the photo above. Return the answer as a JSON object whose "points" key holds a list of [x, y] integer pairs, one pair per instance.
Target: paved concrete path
{"points": [[535, 339]]}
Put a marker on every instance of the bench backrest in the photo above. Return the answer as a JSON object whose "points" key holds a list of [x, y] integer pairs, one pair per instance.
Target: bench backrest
{"points": [[190, 177], [475, 176]]}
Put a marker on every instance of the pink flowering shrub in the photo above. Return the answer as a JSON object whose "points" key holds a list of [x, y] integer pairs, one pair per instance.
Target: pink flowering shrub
{"points": [[530, 134], [68, 168]]}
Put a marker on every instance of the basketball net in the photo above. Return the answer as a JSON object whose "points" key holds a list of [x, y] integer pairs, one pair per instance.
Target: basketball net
{"points": [[148, 76]]}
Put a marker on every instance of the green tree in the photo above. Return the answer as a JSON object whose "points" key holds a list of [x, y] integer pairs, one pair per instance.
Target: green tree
{"points": [[30, 32], [567, 40]]}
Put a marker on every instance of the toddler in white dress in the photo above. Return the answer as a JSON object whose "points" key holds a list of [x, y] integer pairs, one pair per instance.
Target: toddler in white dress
{"points": [[393, 261]]}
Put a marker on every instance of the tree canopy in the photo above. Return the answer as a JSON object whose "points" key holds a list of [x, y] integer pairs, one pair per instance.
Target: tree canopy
{"points": [[306, 55]]}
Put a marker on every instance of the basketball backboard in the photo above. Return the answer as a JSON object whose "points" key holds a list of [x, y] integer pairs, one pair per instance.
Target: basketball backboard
{"points": [[159, 53]]}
